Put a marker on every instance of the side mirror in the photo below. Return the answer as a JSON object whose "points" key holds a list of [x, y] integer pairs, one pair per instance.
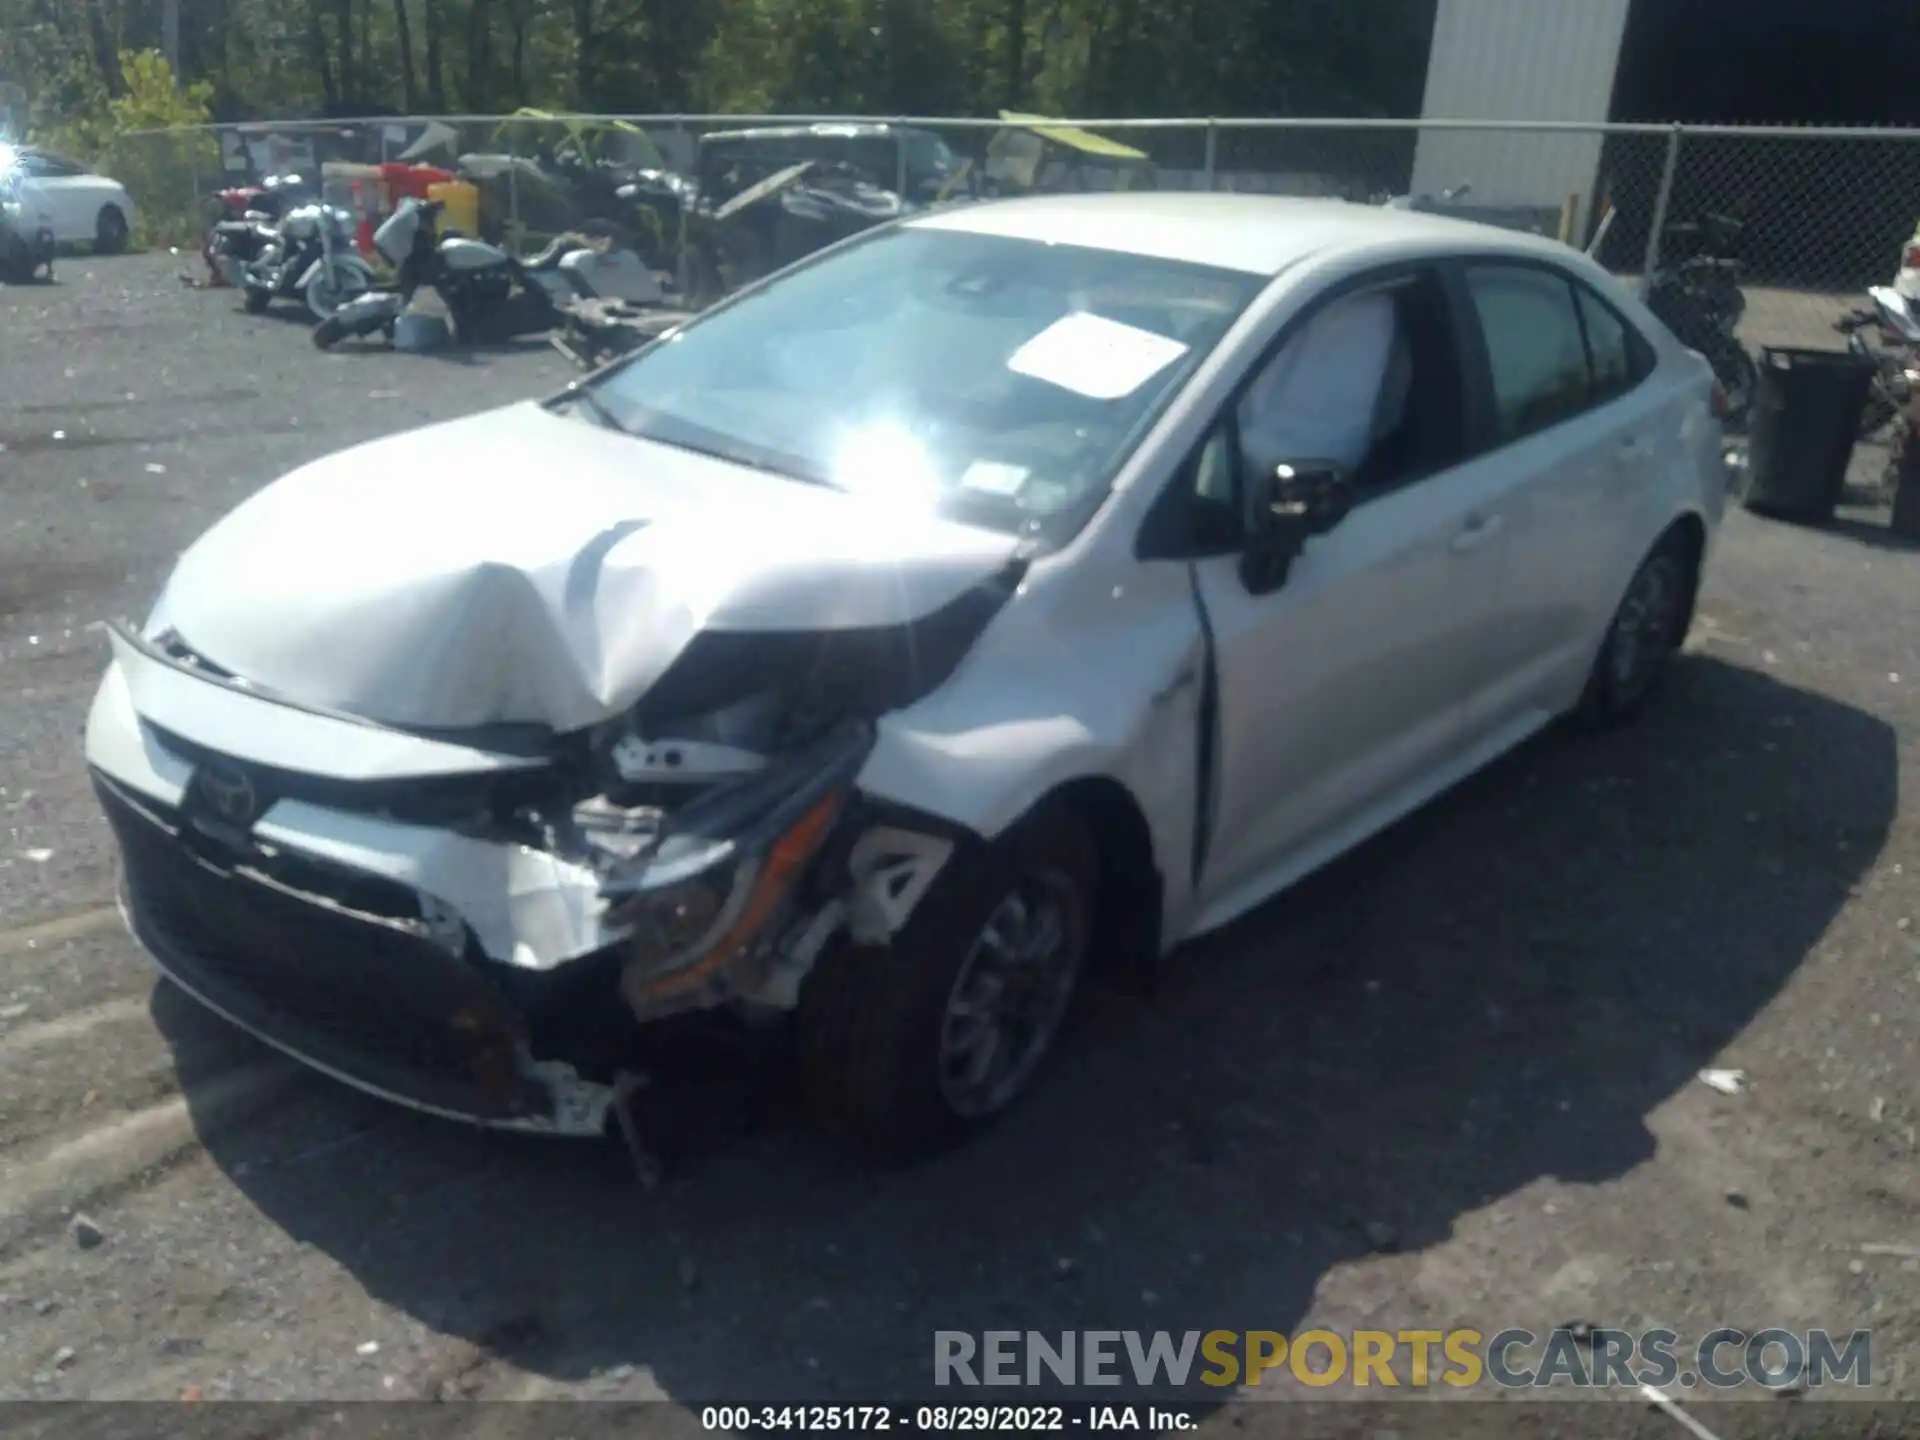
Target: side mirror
{"points": [[1287, 506]]}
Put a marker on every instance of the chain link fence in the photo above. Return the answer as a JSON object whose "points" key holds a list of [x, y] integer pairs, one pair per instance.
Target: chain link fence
{"points": [[1820, 213]]}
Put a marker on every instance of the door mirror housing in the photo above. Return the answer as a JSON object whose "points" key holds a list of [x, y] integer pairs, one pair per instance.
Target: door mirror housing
{"points": [[1287, 505]]}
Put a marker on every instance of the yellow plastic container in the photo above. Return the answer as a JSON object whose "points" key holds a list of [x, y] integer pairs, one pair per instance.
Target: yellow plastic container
{"points": [[462, 205]]}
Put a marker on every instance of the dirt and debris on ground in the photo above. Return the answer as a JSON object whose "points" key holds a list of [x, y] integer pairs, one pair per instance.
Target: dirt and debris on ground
{"points": [[1452, 1081]]}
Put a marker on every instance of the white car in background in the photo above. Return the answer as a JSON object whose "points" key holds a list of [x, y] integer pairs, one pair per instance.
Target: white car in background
{"points": [[83, 208], [1013, 588]]}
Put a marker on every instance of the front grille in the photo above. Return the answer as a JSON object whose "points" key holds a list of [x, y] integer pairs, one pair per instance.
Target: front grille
{"points": [[274, 943], [493, 804]]}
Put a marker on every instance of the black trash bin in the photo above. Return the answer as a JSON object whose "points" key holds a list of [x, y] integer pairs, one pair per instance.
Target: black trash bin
{"points": [[1806, 415]]}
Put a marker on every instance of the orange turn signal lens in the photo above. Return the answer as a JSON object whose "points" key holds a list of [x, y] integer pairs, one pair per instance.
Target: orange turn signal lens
{"points": [[785, 860]]}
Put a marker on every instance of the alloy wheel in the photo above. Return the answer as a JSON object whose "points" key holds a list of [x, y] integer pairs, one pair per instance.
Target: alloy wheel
{"points": [[1011, 995], [1643, 632]]}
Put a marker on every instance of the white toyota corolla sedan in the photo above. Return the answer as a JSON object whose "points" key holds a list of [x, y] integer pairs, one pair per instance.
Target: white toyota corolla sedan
{"points": [[1021, 587]]}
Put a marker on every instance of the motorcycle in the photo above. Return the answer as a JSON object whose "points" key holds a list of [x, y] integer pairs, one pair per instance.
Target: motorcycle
{"points": [[242, 219], [309, 254], [489, 294], [1698, 297], [26, 235], [1896, 360]]}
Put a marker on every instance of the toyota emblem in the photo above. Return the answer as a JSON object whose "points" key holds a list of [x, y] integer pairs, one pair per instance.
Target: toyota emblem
{"points": [[229, 792]]}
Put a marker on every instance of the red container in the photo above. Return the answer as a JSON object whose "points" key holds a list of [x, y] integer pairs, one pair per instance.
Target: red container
{"points": [[410, 180]]}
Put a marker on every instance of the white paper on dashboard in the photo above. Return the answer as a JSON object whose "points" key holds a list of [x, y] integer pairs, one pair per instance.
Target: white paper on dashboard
{"points": [[994, 477], [1096, 357]]}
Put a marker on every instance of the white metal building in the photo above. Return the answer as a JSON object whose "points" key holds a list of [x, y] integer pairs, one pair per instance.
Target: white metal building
{"points": [[1519, 60]]}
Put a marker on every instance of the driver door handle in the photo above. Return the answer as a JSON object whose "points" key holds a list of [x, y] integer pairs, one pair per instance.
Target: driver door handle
{"points": [[1477, 531]]}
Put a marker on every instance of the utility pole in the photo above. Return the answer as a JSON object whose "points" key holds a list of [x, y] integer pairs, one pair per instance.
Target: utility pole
{"points": [[170, 34]]}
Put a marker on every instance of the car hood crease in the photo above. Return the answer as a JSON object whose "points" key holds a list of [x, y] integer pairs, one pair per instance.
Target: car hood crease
{"points": [[522, 567]]}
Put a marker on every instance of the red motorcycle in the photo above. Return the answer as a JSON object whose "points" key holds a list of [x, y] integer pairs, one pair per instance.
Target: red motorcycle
{"points": [[238, 217]]}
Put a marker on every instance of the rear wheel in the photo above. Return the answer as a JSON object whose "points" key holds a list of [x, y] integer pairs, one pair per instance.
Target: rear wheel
{"points": [[329, 333], [110, 231], [1646, 630], [907, 1047]]}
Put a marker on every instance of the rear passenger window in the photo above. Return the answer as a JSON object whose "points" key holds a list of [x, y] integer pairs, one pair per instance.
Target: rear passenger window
{"points": [[1618, 354], [1535, 346]]}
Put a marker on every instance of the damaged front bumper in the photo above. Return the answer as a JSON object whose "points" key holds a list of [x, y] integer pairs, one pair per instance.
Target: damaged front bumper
{"points": [[491, 978]]}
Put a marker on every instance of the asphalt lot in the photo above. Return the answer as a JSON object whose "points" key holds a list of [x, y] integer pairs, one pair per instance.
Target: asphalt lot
{"points": [[1481, 1032]]}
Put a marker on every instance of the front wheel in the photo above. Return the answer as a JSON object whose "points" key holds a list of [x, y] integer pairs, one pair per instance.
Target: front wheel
{"points": [[329, 333], [907, 1047], [325, 293], [257, 299], [110, 231]]}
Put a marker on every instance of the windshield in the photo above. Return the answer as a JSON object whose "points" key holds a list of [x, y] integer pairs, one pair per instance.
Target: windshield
{"points": [[998, 381]]}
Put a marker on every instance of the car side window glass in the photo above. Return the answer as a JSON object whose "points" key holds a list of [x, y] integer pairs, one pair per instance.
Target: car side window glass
{"points": [[1316, 397], [1610, 346], [1535, 346], [1369, 383], [1213, 482]]}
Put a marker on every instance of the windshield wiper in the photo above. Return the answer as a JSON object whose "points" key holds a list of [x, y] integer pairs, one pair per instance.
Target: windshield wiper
{"points": [[767, 462]]}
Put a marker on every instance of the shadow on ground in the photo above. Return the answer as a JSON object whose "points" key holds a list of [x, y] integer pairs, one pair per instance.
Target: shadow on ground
{"points": [[1500, 989]]}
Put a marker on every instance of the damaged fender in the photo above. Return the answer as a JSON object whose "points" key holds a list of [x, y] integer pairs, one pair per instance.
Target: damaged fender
{"points": [[1117, 692]]}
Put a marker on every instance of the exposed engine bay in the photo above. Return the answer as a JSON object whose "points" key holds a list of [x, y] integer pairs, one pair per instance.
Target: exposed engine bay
{"points": [[452, 807], [696, 852]]}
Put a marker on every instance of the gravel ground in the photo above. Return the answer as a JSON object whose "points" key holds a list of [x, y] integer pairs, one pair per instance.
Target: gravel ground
{"points": [[1450, 1081]]}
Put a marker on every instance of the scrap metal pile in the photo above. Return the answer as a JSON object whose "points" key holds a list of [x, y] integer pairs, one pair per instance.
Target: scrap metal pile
{"points": [[425, 253]]}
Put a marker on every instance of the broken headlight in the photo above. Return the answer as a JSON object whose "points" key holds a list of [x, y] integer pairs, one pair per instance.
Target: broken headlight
{"points": [[698, 886]]}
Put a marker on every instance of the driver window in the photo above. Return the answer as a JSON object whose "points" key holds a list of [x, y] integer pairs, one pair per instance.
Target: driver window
{"points": [[1319, 397], [1369, 382]]}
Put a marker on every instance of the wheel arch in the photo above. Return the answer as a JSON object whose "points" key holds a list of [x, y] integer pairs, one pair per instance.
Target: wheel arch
{"points": [[1130, 903], [1689, 530], [1130, 898]]}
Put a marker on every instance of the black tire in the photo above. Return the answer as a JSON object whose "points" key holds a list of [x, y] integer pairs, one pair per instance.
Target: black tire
{"points": [[110, 231], [872, 1020], [1647, 628], [256, 299], [329, 333]]}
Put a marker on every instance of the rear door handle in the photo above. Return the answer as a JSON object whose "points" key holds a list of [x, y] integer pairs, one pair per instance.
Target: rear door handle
{"points": [[1478, 530]]}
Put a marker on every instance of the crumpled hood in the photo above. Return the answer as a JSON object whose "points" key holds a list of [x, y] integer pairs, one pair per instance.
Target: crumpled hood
{"points": [[526, 567]]}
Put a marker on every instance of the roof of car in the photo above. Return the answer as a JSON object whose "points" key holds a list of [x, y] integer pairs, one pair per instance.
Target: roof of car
{"points": [[1255, 234]]}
